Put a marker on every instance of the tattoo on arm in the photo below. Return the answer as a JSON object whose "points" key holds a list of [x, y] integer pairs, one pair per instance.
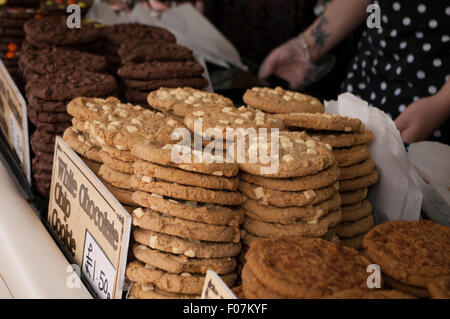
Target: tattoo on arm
{"points": [[319, 34]]}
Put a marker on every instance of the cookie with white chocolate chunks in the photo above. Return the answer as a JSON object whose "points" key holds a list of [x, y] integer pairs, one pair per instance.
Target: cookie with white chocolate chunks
{"points": [[115, 163], [124, 155], [86, 108], [122, 195], [184, 283], [350, 156], [218, 121], [182, 101], [352, 229], [166, 224], [356, 211], [361, 169], [138, 291], [190, 193], [115, 178], [186, 247], [337, 139], [322, 121], [353, 197], [321, 179], [295, 154], [183, 177], [194, 211], [267, 196], [310, 229], [290, 215], [281, 101], [178, 264], [359, 182], [190, 159], [80, 143]]}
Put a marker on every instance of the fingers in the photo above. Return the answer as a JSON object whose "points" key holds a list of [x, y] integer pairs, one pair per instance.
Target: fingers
{"points": [[268, 65], [158, 6], [401, 122]]}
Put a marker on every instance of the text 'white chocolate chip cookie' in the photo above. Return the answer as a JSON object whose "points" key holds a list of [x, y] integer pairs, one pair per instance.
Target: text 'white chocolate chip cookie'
{"points": [[181, 101], [293, 154], [319, 121], [209, 122], [184, 157], [281, 101]]}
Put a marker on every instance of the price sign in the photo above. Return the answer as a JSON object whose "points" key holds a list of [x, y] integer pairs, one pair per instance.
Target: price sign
{"points": [[215, 288], [13, 119], [91, 224]]}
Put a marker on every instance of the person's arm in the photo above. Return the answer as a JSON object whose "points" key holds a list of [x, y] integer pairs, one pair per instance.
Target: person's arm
{"points": [[292, 62], [422, 117]]}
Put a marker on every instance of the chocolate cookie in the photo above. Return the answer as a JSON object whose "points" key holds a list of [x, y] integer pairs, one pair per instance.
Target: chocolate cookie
{"points": [[38, 165], [59, 7], [47, 117], [161, 70], [46, 105], [117, 34], [52, 128], [140, 85], [66, 86], [12, 32], [54, 31], [142, 52]]}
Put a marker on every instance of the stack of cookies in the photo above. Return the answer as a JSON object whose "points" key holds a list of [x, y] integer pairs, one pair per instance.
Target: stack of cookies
{"points": [[147, 66], [53, 32], [47, 98], [296, 193], [357, 173], [117, 34], [301, 268], [188, 223], [13, 15], [178, 102], [414, 257]]}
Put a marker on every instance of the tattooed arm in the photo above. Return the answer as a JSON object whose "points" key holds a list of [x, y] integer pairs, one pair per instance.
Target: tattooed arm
{"points": [[337, 22]]}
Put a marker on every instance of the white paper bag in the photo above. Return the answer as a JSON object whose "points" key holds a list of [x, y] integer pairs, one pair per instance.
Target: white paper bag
{"points": [[397, 195]]}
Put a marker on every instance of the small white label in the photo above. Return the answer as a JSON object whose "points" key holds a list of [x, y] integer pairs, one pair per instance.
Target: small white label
{"points": [[97, 268], [16, 137]]}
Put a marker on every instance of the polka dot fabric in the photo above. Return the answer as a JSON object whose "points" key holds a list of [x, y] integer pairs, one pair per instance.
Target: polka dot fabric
{"points": [[404, 60]]}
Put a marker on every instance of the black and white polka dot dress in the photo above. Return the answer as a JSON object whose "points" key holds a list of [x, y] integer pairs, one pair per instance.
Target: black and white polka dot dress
{"points": [[406, 59]]}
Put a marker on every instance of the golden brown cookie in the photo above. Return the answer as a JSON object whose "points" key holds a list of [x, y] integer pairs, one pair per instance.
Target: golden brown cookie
{"points": [[352, 229], [115, 163], [122, 195], [184, 283], [181, 246], [254, 289], [154, 221], [295, 154], [353, 197], [181, 101], [267, 196], [440, 288], [196, 161], [115, 178], [318, 229], [281, 101], [359, 182], [194, 211], [414, 253], [298, 267], [322, 179], [351, 156], [190, 193], [418, 292], [81, 144], [290, 215], [358, 293], [178, 263], [361, 169], [338, 140], [179, 176], [139, 291], [356, 212], [123, 155], [353, 242], [319, 121]]}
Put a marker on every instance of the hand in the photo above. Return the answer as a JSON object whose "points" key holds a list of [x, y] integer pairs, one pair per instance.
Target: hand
{"points": [[165, 5], [421, 119], [288, 62]]}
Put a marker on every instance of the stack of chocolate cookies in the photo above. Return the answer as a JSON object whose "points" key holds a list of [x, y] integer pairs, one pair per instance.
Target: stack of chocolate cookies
{"points": [[178, 102], [47, 98], [301, 268], [296, 193], [53, 32], [13, 15], [357, 173], [117, 34], [414, 257], [147, 66]]}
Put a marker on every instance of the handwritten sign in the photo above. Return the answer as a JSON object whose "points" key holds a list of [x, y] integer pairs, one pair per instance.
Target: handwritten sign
{"points": [[215, 288], [92, 225], [13, 119]]}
